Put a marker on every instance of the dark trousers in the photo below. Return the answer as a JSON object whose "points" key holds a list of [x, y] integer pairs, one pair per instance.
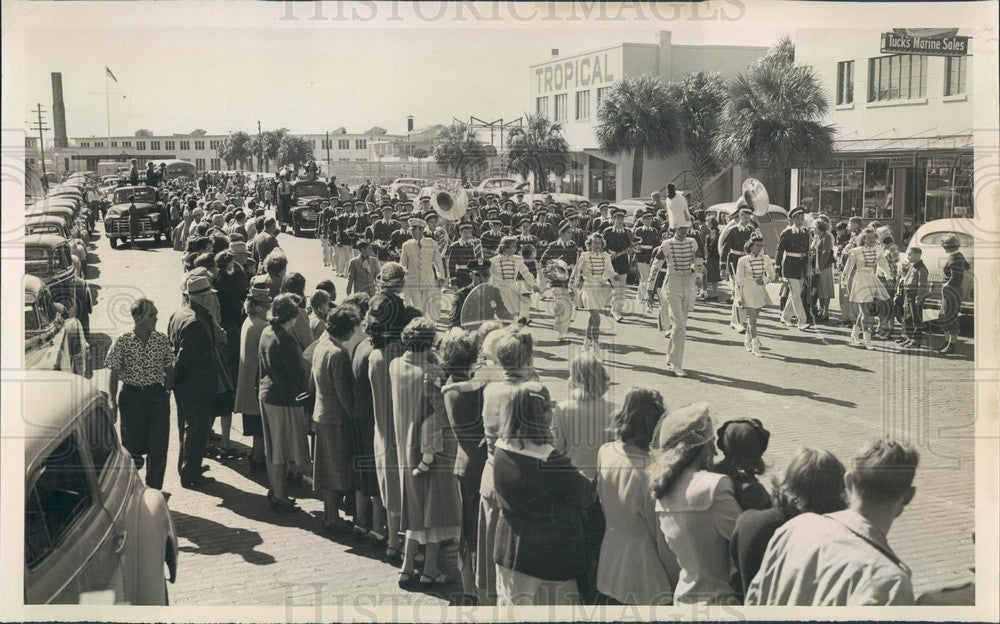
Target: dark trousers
{"points": [[194, 422], [913, 317], [145, 428]]}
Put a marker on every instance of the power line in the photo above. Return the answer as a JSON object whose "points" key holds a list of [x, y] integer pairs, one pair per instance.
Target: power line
{"points": [[40, 126]]}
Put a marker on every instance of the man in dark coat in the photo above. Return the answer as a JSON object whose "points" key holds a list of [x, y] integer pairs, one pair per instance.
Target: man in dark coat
{"points": [[792, 264]]}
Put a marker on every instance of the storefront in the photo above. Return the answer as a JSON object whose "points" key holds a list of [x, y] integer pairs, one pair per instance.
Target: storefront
{"points": [[900, 189]]}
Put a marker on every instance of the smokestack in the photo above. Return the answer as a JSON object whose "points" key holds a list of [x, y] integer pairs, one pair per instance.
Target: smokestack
{"points": [[58, 112], [555, 53], [409, 123]]}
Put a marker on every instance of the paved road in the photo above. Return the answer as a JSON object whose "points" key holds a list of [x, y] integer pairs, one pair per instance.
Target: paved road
{"points": [[810, 389]]}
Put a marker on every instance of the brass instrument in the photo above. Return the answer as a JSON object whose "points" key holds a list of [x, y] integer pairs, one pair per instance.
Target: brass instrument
{"points": [[448, 198]]}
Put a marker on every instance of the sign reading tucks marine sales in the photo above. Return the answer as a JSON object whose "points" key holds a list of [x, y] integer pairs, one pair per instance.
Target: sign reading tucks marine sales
{"points": [[903, 42]]}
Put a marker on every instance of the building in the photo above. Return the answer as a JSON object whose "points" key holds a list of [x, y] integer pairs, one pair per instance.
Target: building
{"points": [[202, 149], [569, 90], [904, 132]]}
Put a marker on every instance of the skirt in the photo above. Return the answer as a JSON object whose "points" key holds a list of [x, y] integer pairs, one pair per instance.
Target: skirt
{"points": [[286, 434], [510, 293], [824, 287], [712, 272], [332, 467], [865, 287], [755, 296], [596, 296], [518, 588]]}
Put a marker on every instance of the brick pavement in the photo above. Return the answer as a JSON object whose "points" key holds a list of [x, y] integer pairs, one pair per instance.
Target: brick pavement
{"points": [[809, 389]]}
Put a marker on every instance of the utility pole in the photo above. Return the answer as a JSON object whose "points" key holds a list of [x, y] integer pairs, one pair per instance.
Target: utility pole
{"points": [[39, 125], [328, 153]]}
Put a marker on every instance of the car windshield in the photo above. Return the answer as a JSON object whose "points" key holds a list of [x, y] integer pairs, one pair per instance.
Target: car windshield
{"points": [[312, 189], [143, 195], [44, 228], [30, 317], [935, 238]]}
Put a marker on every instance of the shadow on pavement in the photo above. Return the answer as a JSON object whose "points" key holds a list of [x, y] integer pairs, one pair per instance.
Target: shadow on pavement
{"points": [[91, 272], [214, 538], [758, 386]]}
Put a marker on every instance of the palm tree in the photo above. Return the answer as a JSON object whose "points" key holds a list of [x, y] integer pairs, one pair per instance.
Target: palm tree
{"points": [[539, 148], [771, 119], [294, 151], [699, 96], [638, 117], [458, 149], [265, 147]]}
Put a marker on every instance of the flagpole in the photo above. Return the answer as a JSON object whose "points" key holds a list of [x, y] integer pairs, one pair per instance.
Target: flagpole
{"points": [[107, 104]]}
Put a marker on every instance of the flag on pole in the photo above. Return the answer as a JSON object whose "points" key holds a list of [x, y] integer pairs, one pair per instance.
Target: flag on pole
{"points": [[108, 73]]}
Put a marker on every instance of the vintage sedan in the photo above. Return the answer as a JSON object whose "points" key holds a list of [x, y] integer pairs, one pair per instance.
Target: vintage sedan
{"points": [[307, 195], [498, 185], [93, 532], [53, 224], [48, 257], [153, 219], [410, 187], [928, 238]]}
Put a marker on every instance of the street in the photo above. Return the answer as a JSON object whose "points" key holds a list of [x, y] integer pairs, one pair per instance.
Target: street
{"points": [[810, 389]]}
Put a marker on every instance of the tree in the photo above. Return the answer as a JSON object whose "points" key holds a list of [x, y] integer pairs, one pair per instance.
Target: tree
{"points": [[638, 117], [539, 148], [294, 151], [236, 149], [699, 97], [268, 144], [772, 116], [457, 149]]}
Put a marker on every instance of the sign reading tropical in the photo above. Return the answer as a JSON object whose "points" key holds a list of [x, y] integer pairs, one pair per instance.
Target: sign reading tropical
{"points": [[925, 41]]}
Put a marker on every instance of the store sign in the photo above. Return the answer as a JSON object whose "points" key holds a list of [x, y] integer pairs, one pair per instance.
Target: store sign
{"points": [[851, 163], [901, 162], [943, 162], [911, 42], [574, 73]]}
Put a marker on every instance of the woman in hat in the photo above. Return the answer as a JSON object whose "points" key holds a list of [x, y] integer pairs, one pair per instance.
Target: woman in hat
{"points": [[697, 508], [283, 378], [593, 276], [954, 270], [505, 270], [754, 271], [636, 566], [540, 538], [866, 290], [743, 442]]}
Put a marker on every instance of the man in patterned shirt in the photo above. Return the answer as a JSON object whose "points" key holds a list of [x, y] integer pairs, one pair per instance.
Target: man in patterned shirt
{"points": [[143, 361]]}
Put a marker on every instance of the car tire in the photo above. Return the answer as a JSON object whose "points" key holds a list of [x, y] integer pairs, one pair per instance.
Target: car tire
{"points": [[113, 242], [157, 238]]}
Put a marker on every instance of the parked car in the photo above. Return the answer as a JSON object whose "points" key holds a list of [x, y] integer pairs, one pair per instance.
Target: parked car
{"points": [[53, 224], [410, 186], [306, 198], [154, 221], [633, 205], [48, 257], [52, 340], [567, 199], [928, 237], [92, 530], [498, 185], [770, 225]]}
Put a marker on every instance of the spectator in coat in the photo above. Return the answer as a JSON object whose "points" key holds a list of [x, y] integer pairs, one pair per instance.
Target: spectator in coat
{"points": [[247, 403], [844, 557]]}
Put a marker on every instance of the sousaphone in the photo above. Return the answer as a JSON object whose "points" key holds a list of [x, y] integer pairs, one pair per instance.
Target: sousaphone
{"points": [[448, 198], [755, 194]]}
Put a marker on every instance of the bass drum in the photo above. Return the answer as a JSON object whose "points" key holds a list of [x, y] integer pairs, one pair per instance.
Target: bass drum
{"points": [[485, 303]]}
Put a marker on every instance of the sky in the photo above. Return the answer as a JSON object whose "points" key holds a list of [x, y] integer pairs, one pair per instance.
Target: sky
{"points": [[222, 66]]}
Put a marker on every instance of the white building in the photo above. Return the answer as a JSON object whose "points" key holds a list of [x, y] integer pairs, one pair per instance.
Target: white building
{"points": [[569, 89], [904, 132]]}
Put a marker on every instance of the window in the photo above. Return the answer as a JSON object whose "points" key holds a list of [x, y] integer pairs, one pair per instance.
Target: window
{"points": [[955, 69], [185, 145], [344, 144], [312, 143], [199, 163], [199, 145], [98, 143], [845, 82], [31, 322], [101, 438], [583, 104], [154, 145], [140, 145], [170, 145], [897, 77], [126, 143], [344, 159], [114, 144], [59, 499], [542, 106], [878, 190], [602, 92], [84, 143], [360, 143], [561, 107], [216, 144], [216, 164]]}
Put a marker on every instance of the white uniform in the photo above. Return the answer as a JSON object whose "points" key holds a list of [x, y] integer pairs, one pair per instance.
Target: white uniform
{"points": [[596, 270], [677, 211], [749, 269], [504, 271], [679, 290], [422, 261]]}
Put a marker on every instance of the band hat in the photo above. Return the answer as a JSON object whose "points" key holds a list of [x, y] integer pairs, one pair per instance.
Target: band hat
{"points": [[603, 204], [198, 285], [507, 202], [618, 212], [583, 203], [523, 220], [745, 208], [416, 222], [798, 210], [425, 198], [430, 214], [465, 225], [565, 226], [387, 207]]}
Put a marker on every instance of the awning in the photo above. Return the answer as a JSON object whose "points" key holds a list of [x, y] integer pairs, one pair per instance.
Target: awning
{"points": [[920, 143]]}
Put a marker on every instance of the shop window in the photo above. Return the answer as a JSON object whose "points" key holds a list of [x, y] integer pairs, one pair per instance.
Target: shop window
{"points": [[561, 107], [948, 191], [542, 106], [954, 75], [897, 77], [845, 82], [878, 190], [833, 192]]}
